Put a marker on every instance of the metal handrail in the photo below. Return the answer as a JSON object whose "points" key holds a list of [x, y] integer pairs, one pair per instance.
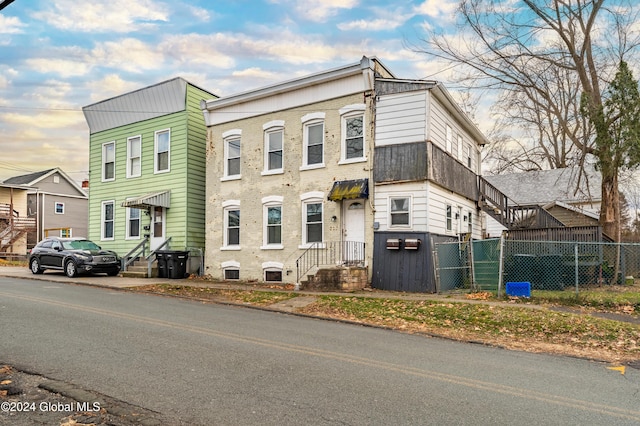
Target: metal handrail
{"points": [[334, 253], [130, 257]]}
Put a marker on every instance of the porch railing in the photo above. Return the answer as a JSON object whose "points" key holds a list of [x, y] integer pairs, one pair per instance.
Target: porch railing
{"points": [[330, 253], [135, 253]]}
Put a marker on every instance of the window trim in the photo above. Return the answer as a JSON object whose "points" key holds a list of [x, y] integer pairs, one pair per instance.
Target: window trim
{"points": [[130, 157], [55, 207], [459, 147], [409, 223], [230, 265], [272, 267], [228, 206], [103, 220], [347, 112], [448, 139], [315, 197], [448, 218], [267, 203], [156, 170], [309, 120], [104, 162], [268, 129], [228, 136], [128, 235]]}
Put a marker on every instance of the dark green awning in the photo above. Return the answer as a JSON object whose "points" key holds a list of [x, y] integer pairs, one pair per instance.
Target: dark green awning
{"points": [[349, 189]]}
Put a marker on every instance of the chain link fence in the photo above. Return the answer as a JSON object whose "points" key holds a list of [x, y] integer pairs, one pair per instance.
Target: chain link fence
{"points": [[547, 265]]}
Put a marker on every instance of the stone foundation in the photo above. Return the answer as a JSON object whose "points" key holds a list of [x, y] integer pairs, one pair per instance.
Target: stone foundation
{"points": [[337, 279]]}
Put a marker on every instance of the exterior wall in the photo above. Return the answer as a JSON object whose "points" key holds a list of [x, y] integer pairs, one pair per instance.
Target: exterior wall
{"points": [[428, 209], [254, 185], [195, 170], [74, 217], [439, 118], [401, 118], [123, 187]]}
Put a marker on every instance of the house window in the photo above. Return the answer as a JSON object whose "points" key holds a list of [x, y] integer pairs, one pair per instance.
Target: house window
{"points": [[458, 149], [133, 223], [449, 219], [108, 220], [313, 140], [400, 211], [134, 154], [272, 219], [273, 276], [231, 274], [313, 222], [231, 224], [352, 133], [232, 154], [468, 155], [231, 270], [162, 151], [449, 140], [273, 146], [59, 208], [470, 224], [65, 233], [109, 161], [272, 271]]}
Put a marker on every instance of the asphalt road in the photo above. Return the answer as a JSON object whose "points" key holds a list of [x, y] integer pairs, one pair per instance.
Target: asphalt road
{"points": [[211, 364]]}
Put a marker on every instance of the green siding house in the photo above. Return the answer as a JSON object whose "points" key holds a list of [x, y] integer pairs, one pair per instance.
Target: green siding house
{"points": [[147, 170]]}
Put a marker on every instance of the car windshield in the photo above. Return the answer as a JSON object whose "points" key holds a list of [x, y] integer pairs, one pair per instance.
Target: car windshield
{"points": [[80, 245]]}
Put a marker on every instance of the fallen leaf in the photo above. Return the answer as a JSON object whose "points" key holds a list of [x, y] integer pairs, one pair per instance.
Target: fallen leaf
{"points": [[5, 382]]}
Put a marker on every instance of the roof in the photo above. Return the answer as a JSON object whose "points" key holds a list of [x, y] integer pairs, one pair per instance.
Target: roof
{"points": [[546, 186], [160, 198], [32, 179], [349, 189], [153, 101], [27, 179]]}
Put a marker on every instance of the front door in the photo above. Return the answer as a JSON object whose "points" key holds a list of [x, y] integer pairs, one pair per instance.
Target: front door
{"points": [[157, 227], [353, 231]]}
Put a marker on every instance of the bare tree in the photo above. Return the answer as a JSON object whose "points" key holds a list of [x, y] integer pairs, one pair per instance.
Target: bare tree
{"points": [[550, 61]]}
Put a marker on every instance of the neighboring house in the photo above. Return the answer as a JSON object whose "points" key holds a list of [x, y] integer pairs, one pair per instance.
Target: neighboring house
{"points": [[552, 198], [14, 220], [322, 170], [147, 169], [58, 203]]}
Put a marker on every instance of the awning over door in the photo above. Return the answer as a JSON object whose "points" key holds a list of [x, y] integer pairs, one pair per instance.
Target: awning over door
{"points": [[349, 189], [160, 199]]}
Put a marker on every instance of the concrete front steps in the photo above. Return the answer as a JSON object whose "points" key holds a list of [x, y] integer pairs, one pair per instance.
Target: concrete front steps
{"points": [[139, 269], [340, 278]]}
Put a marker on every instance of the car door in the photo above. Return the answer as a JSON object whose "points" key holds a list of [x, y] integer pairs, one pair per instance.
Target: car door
{"points": [[56, 254]]}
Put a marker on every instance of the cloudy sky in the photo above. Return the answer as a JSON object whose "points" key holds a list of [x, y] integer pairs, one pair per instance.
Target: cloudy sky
{"points": [[57, 56]]}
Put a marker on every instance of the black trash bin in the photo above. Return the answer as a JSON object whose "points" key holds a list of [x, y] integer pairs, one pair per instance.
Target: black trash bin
{"points": [[176, 264], [161, 258]]}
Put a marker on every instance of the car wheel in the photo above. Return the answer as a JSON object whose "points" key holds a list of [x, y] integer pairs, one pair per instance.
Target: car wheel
{"points": [[35, 266], [70, 269]]}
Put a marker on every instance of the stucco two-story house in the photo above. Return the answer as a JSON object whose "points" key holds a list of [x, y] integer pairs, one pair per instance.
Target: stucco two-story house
{"points": [[323, 170], [57, 202], [288, 172], [147, 169]]}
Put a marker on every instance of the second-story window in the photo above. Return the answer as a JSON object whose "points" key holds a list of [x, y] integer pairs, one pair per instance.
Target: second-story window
{"points": [[232, 151], [313, 140], [400, 211], [273, 147], [59, 208], [109, 161], [352, 133], [449, 139], [134, 156], [162, 151]]}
